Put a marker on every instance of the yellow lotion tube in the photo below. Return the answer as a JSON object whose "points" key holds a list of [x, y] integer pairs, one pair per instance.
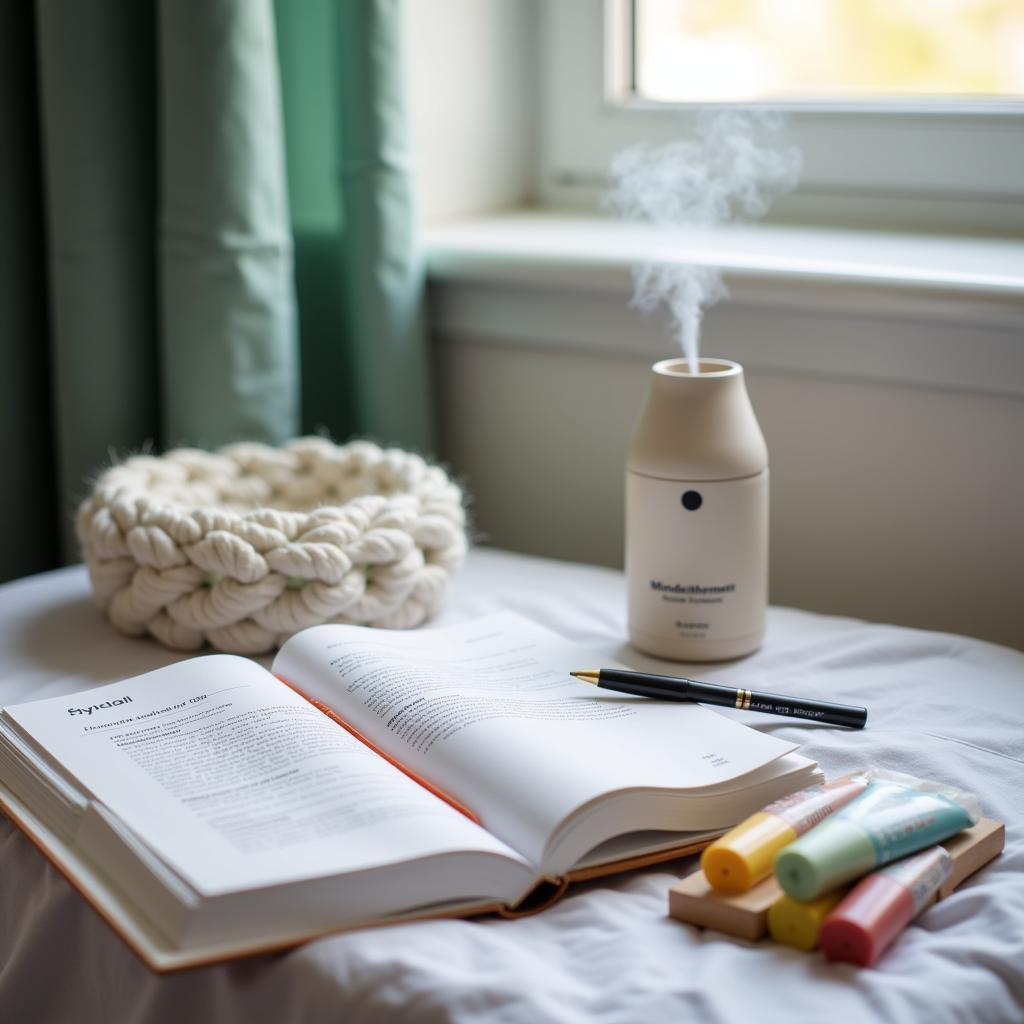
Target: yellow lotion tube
{"points": [[745, 855], [799, 924]]}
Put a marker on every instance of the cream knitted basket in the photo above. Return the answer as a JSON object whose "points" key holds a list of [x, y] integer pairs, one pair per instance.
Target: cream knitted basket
{"points": [[242, 547]]}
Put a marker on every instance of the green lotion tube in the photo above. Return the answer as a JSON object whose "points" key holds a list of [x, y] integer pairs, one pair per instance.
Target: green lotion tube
{"points": [[895, 816]]}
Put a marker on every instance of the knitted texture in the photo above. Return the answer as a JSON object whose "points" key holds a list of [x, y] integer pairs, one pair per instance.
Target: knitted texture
{"points": [[242, 547]]}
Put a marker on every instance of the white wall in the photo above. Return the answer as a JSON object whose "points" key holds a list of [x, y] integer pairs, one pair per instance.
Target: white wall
{"points": [[470, 77]]}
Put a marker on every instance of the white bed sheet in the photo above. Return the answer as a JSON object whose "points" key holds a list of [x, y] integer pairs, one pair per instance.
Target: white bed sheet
{"points": [[941, 706]]}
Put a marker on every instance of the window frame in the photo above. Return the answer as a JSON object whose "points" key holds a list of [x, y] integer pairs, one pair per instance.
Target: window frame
{"points": [[863, 166]]}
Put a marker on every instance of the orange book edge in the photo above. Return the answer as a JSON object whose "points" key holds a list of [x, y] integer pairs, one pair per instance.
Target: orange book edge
{"points": [[394, 762], [160, 957]]}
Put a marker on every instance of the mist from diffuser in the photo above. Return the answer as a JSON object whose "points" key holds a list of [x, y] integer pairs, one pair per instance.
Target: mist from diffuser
{"points": [[730, 170], [697, 466]]}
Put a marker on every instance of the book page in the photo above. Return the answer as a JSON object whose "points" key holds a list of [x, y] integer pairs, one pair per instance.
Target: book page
{"points": [[238, 782], [488, 712]]}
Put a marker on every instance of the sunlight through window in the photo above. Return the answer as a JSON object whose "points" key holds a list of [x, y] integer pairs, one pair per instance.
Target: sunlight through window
{"points": [[700, 51]]}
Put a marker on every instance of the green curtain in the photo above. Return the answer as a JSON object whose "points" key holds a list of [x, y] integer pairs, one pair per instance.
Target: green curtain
{"points": [[359, 274], [28, 508], [148, 292], [96, 92]]}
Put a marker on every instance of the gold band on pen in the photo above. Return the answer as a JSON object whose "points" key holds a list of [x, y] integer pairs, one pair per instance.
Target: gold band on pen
{"points": [[739, 699], [746, 701]]}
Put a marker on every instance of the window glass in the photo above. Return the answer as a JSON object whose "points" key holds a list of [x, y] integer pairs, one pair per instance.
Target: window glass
{"points": [[702, 51]]}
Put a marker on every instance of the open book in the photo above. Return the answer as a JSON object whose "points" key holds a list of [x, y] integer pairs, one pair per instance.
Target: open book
{"points": [[212, 809]]}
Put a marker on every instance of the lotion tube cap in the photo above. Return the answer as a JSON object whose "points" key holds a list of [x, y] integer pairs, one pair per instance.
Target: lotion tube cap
{"points": [[864, 924], [799, 924], [835, 852], [745, 855]]}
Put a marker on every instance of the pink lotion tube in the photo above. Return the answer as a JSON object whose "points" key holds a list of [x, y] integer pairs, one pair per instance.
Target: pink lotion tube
{"points": [[866, 921]]}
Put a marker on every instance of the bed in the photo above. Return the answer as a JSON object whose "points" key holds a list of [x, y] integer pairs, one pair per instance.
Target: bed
{"points": [[942, 706]]}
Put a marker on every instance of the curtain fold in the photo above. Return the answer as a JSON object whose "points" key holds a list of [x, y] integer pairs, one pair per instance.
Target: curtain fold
{"points": [[228, 350], [365, 358], [307, 44], [99, 164], [28, 511], [383, 272]]}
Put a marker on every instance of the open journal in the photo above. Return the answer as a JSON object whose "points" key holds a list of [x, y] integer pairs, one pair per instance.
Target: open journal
{"points": [[214, 809]]}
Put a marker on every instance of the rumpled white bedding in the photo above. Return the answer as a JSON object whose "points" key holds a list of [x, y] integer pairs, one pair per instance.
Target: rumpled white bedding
{"points": [[941, 706]]}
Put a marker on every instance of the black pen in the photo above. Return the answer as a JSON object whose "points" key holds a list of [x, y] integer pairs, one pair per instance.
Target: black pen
{"points": [[679, 688]]}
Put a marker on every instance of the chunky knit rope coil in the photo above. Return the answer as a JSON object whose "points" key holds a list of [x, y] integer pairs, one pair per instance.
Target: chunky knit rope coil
{"points": [[242, 547]]}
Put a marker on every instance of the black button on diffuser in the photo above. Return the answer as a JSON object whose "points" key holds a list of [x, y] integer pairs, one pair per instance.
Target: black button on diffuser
{"points": [[692, 501]]}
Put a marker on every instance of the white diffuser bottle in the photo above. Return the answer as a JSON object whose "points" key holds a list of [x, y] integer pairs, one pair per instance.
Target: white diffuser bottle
{"points": [[697, 516]]}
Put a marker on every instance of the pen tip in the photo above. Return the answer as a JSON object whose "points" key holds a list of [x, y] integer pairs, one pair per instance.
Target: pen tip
{"points": [[587, 675]]}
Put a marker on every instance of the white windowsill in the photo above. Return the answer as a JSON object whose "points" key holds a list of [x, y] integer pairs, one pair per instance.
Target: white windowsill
{"points": [[561, 280], [566, 250]]}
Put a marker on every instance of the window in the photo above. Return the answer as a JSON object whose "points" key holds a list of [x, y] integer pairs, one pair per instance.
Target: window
{"points": [[898, 160], [708, 51]]}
